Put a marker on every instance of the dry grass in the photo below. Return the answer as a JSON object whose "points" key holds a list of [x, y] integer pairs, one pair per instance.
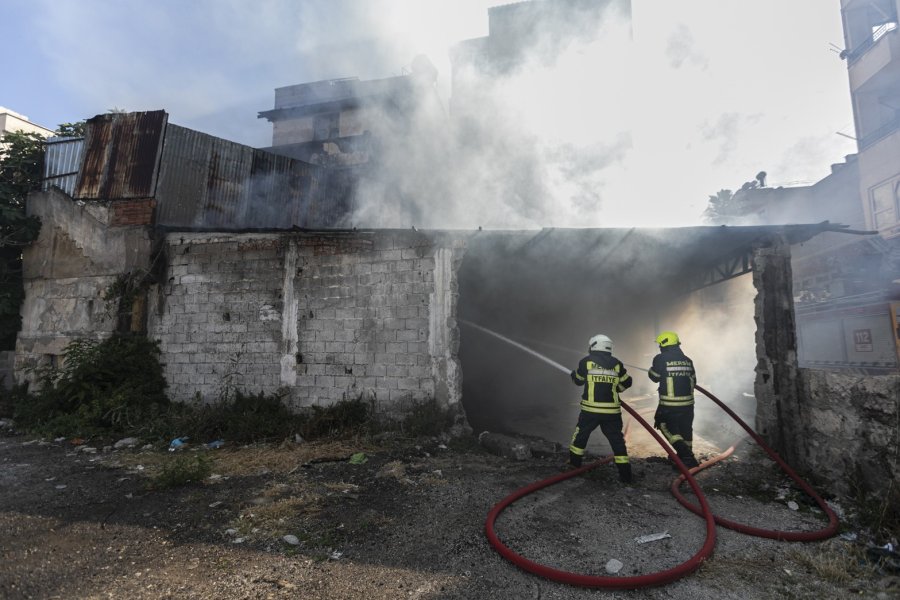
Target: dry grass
{"points": [[251, 460], [286, 457], [275, 517], [835, 561]]}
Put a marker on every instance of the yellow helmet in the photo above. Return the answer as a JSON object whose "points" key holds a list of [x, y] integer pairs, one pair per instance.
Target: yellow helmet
{"points": [[667, 338]]}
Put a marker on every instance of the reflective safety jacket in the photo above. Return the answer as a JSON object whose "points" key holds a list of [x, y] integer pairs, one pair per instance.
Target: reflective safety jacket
{"points": [[603, 377], [676, 377]]}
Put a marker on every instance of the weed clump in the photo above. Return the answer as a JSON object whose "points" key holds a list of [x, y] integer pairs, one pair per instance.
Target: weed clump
{"points": [[116, 387], [109, 385], [181, 470], [426, 418], [346, 418]]}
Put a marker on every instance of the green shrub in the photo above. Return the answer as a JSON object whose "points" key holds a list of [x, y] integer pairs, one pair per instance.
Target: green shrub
{"points": [[111, 386]]}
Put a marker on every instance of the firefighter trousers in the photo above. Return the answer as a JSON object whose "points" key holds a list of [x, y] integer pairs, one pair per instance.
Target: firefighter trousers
{"points": [[677, 425], [611, 426]]}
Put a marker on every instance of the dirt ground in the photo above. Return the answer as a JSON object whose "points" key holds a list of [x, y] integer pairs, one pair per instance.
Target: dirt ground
{"points": [[406, 523]]}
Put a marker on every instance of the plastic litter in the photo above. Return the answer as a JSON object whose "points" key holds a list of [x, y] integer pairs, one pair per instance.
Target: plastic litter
{"points": [[291, 539], [336, 555], [652, 537], [358, 458], [793, 505], [129, 442], [215, 445], [178, 443]]}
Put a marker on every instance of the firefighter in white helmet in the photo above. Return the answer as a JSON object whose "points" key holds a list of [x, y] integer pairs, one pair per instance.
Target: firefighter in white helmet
{"points": [[603, 377], [674, 372]]}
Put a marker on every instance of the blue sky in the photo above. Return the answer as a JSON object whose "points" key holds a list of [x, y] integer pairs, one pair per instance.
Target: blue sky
{"points": [[715, 90]]}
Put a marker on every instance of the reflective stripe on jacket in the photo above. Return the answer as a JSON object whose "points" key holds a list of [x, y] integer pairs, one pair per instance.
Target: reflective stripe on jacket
{"points": [[603, 377], [676, 377]]}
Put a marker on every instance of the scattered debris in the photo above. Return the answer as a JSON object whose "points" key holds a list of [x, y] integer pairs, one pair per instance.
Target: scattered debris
{"points": [[61, 486], [178, 443], [216, 504], [215, 445], [613, 566], [336, 555], [394, 469], [86, 450], [885, 557], [298, 439], [793, 505], [129, 442], [293, 540], [6, 424], [652, 537], [504, 445]]}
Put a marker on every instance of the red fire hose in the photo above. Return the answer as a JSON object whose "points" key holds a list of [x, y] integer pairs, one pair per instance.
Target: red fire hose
{"points": [[659, 578], [687, 567], [693, 563], [788, 536]]}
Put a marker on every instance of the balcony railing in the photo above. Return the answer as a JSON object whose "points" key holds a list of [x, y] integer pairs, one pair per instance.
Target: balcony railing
{"points": [[883, 131], [877, 33]]}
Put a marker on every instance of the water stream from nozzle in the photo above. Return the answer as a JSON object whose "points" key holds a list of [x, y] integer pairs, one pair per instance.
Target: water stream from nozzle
{"points": [[529, 350], [517, 345]]}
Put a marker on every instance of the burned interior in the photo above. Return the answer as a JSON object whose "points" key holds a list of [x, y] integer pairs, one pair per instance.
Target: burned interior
{"points": [[550, 290]]}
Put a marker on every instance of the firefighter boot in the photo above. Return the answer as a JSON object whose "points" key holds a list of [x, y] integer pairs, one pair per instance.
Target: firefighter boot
{"points": [[573, 463], [685, 454], [624, 472]]}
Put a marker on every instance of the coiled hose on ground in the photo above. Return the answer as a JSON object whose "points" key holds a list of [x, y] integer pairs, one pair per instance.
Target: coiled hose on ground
{"points": [[693, 563]]}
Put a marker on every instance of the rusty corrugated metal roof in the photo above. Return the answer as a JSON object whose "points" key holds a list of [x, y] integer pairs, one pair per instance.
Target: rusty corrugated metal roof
{"points": [[201, 181], [208, 182], [120, 155]]}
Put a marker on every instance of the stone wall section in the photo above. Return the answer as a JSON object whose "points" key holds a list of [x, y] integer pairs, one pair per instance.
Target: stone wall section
{"points": [[321, 317], [67, 273], [851, 430]]}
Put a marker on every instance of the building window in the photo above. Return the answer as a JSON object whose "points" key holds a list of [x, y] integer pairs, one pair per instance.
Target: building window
{"points": [[884, 204]]}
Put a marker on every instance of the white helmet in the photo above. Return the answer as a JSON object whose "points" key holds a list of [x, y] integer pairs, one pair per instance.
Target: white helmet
{"points": [[600, 343]]}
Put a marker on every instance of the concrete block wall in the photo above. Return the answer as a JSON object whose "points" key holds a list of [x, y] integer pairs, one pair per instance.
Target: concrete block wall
{"points": [[323, 317]]}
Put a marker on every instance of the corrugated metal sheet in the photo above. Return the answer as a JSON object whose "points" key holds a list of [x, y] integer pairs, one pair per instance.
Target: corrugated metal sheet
{"points": [[121, 155], [62, 160], [197, 180], [209, 182]]}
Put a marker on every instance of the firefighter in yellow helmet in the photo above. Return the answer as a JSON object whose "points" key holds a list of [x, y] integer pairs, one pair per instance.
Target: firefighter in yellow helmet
{"points": [[603, 377], [674, 372]]}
